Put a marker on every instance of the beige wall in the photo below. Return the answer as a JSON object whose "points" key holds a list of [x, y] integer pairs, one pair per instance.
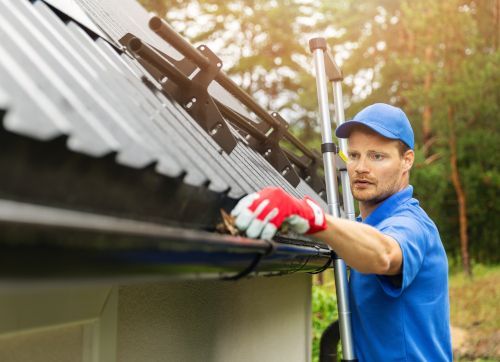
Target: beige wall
{"points": [[54, 344], [259, 319], [58, 324]]}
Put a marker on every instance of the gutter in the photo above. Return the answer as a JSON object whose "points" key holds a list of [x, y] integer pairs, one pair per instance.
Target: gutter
{"points": [[54, 244]]}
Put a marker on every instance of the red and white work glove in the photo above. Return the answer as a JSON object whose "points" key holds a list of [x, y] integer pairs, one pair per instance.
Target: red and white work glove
{"points": [[261, 214]]}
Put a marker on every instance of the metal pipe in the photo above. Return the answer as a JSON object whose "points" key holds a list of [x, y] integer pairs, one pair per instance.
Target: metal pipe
{"points": [[295, 159], [318, 47], [344, 311], [326, 135], [229, 85], [178, 42], [136, 47], [341, 276], [240, 121], [165, 31], [248, 127], [344, 176]]}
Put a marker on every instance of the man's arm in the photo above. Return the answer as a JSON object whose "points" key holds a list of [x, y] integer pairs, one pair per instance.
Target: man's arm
{"points": [[362, 247]]}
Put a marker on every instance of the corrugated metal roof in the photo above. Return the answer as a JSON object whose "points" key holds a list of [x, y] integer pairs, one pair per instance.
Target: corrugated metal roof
{"points": [[86, 128], [75, 11], [59, 80]]}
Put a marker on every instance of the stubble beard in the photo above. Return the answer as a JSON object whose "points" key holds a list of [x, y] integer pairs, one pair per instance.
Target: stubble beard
{"points": [[376, 196]]}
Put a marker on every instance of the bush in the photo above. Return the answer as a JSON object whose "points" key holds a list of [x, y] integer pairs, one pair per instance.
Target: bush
{"points": [[324, 308]]}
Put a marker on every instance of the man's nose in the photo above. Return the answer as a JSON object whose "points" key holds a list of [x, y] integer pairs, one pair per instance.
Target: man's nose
{"points": [[361, 165]]}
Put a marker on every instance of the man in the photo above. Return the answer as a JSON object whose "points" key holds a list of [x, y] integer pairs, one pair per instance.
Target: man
{"points": [[399, 270]]}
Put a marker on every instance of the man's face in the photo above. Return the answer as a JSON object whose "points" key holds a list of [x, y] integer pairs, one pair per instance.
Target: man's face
{"points": [[376, 169]]}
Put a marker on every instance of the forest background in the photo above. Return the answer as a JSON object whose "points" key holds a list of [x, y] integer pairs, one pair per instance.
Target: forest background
{"points": [[438, 60]]}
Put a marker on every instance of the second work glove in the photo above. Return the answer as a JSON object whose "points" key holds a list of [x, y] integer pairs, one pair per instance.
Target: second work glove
{"points": [[262, 213]]}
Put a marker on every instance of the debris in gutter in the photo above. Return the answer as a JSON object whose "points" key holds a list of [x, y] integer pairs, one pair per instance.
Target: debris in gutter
{"points": [[227, 226]]}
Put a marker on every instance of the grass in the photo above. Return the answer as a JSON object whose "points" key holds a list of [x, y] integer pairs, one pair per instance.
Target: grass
{"points": [[474, 308], [474, 311]]}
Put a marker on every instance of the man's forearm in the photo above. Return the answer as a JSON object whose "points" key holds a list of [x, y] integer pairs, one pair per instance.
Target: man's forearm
{"points": [[363, 247]]}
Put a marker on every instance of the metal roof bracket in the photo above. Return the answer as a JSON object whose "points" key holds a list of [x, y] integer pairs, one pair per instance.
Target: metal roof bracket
{"points": [[272, 152], [187, 81], [310, 173], [187, 84], [270, 148]]}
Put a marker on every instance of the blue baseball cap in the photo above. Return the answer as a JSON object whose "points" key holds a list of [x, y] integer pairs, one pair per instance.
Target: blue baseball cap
{"points": [[388, 121]]}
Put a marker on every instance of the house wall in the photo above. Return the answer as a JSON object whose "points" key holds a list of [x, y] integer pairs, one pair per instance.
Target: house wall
{"points": [[258, 319]]}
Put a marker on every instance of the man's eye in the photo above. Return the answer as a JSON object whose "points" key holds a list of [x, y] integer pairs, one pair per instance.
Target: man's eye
{"points": [[377, 157], [352, 156]]}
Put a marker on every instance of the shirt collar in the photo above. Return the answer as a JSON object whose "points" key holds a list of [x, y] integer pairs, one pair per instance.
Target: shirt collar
{"points": [[387, 207]]}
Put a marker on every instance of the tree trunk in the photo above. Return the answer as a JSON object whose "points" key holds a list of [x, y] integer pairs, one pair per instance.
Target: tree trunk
{"points": [[427, 113], [496, 15], [461, 196]]}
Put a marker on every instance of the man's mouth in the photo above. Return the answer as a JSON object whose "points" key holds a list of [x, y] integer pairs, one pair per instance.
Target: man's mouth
{"points": [[362, 183]]}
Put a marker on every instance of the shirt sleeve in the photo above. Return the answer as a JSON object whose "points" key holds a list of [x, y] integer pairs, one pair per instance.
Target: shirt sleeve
{"points": [[411, 237]]}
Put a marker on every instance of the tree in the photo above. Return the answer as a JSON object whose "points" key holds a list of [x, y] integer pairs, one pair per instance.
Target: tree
{"points": [[267, 38], [460, 55], [436, 60]]}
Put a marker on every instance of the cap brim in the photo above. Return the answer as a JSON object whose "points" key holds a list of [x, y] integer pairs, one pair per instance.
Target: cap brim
{"points": [[345, 129]]}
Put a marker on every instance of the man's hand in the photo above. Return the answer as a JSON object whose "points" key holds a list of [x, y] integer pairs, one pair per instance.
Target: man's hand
{"points": [[262, 213]]}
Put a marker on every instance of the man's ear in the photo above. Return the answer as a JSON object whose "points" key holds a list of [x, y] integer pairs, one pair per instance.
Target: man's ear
{"points": [[408, 159]]}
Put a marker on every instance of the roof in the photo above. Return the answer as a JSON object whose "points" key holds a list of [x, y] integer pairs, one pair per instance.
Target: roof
{"points": [[89, 133]]}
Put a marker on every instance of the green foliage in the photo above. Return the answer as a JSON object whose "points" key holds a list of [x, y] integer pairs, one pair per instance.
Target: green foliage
{"points": [[415, 54], [267, 38], [324, 306], [439, 56], [434, 194], [464, 78]]}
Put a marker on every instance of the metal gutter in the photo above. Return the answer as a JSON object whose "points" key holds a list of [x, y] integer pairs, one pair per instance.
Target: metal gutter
{"points": [[47, 243]]}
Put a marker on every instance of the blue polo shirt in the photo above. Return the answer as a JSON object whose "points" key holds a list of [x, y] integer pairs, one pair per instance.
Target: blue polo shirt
{"points": [[405, 319]]}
